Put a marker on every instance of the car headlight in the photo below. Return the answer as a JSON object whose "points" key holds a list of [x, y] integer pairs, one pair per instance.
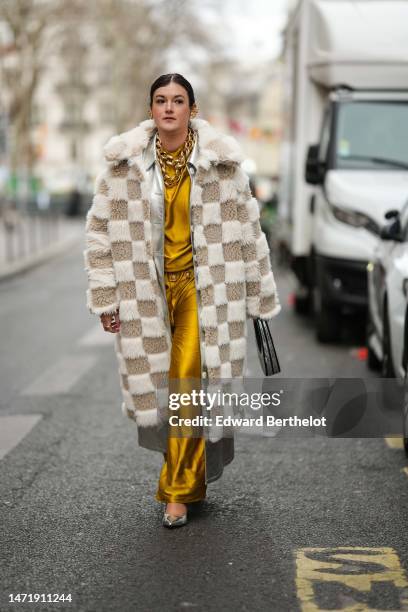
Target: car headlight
{"points": [[356, 219]]}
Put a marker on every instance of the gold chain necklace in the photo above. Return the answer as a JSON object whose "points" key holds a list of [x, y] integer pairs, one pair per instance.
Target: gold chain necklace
{"points": [[178, 163]]}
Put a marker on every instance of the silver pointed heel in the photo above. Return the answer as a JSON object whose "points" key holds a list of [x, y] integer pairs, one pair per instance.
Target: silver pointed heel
{"points": [[170, 520]]}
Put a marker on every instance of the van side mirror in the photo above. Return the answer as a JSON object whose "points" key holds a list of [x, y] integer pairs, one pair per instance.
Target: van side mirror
{"points": [[315, 169], [394, 212], [392, 231]]}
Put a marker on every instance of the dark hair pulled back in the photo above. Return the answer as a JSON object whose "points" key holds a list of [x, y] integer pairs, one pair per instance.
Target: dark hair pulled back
{"points": [[173, 77]]}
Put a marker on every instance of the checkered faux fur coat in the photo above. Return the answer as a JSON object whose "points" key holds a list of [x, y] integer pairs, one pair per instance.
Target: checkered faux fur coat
{"points": [[231, 258]]}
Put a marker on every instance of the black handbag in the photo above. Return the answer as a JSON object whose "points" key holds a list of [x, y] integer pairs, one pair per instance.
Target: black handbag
{"points": [[266, 348]]}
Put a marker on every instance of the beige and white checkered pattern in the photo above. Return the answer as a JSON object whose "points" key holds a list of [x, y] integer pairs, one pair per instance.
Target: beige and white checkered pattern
{"points": [[233, 270]]}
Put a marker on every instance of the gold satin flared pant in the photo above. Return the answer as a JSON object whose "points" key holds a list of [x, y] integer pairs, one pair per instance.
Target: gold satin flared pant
{"points": [[182, 477]]}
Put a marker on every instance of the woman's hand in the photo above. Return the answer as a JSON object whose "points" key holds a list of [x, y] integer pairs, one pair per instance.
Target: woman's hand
{"points": [[111, 322]]}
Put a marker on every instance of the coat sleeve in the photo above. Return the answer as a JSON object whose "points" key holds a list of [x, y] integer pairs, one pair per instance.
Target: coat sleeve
{"points": [[262, 299], [101, 293]]}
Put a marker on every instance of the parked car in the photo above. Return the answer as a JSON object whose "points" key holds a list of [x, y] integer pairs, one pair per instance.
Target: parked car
{"points": [[405, 367], [387, 329], [387, 295]]}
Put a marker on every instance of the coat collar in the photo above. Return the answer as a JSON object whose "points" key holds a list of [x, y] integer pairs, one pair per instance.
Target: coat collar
{"points": [[213, 147]]}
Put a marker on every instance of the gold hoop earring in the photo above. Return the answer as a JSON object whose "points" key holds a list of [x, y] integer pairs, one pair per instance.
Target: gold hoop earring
{"points": [[150, 114], [194, 111]]}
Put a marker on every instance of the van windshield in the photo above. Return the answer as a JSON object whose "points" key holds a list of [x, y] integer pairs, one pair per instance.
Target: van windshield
{"points": [[372, 135]]}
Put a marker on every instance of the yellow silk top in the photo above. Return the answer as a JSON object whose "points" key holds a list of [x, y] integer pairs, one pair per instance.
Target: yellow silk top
{"points": [[177, 242]]}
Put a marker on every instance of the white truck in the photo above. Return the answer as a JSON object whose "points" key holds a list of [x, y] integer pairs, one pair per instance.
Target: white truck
{"points": [[345, 147]]}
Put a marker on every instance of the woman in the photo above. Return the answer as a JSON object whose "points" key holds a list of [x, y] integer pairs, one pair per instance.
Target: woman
{"points": [[176, 262]]}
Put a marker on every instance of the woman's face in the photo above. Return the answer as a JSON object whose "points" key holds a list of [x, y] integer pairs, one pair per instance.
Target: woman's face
{"points": [[170, 108]]}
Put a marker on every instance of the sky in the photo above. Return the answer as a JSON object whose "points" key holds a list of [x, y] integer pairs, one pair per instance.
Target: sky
{"points": [[256, 26], [250, 31]]}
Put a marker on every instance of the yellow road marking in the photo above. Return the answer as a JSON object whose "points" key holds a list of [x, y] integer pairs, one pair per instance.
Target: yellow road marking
{"points": [[349, 574], [394, 442]]}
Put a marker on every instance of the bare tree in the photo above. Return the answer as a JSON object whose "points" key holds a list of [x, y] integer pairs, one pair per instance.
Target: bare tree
{"points": [[137, 37], [28, 30], [108, 49]]}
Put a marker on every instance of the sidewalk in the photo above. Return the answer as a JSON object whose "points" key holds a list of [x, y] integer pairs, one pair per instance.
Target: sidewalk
{"points": [[34, 242]]}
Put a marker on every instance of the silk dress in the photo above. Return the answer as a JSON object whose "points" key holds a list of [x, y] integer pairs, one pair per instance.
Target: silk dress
{"points": [[182, 476]]}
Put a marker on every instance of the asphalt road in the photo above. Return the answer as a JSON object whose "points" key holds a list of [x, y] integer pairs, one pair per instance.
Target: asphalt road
{"points": [[300, 524]]}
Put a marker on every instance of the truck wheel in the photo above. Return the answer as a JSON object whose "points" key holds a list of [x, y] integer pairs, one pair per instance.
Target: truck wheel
{"points": [[302, 304], [373, 362], [328, 324], [387, 368]]}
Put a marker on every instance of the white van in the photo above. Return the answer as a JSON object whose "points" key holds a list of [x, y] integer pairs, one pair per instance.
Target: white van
{"points": [[345, 150]]}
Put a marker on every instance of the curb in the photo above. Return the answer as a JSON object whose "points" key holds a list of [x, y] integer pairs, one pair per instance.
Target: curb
{"points": [[31, 261]]}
